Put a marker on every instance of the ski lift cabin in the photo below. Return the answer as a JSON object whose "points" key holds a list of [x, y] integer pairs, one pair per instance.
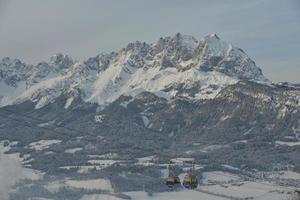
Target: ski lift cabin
{"points": [[172, 180], [190, 180]]}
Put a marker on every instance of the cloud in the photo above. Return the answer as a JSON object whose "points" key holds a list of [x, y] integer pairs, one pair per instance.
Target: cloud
{"points": [[10, 172]]}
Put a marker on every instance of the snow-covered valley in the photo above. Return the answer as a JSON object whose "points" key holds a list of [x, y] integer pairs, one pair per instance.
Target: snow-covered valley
{"points": [[214, 185]]}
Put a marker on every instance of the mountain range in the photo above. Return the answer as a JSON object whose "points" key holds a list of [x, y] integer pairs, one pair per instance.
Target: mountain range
{"points": [[161, 68], [178, 97]]}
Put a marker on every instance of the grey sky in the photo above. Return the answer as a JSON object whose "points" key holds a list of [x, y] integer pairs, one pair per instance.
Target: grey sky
{"points": [[268, 30]]}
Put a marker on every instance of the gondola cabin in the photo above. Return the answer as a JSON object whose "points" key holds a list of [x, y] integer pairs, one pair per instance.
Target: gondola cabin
{"points": [[190, 180], [172, 181]]}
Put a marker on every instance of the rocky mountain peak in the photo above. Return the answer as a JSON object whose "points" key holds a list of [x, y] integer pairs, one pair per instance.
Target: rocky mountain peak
{"points": [[217, 55], [12, 71], [180, 46], [61, 61], [213, 36]]}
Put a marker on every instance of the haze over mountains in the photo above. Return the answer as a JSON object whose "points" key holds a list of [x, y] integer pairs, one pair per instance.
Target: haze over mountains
{"points": [[179, 97]]}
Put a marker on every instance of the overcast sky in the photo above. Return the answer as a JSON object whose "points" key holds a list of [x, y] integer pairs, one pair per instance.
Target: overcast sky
{"points": [[267, 30]]}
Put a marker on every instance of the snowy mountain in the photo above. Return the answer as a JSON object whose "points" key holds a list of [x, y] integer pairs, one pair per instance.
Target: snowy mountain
{"points": [[111, 124], [164, 68]]}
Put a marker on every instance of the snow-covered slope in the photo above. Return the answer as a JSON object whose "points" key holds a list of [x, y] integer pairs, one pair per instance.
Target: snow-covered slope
{"points": [[18, 80], [165, 68]]}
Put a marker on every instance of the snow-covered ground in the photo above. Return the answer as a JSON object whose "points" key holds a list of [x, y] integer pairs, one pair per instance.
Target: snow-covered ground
{"points": [[289, 175], [182, 195], [281, 175], [105, 156], [73, 150], [214, 185], [287, 143], [43, 144], [100, 197], [87, 184], [146, 161], [218, 177], [224, 183], [257, 190], [182, 160], [104, 163], [83, 169], [90, 184], [96, 164]]}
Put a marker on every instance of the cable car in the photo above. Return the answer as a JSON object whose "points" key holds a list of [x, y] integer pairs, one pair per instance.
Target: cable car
{"points": [[190, 180], [172, 181]]}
